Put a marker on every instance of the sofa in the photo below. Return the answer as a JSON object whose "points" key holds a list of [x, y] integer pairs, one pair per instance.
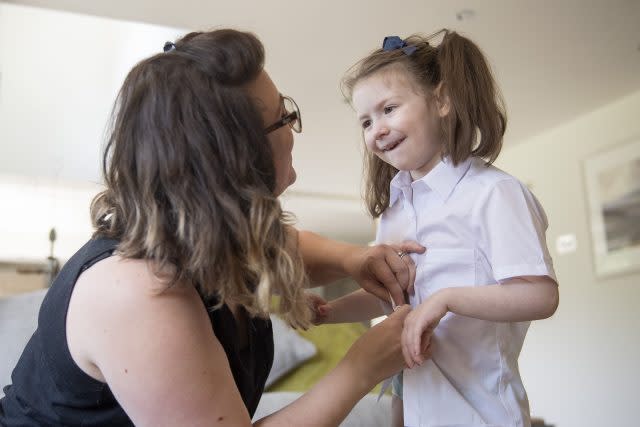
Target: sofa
{"points": [[293, 353]]}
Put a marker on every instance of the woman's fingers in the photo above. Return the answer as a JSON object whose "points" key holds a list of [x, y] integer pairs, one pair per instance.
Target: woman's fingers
{"points": [[399, 262], [411, 246], [406, 272], [412, 277], [384, 271], [401, 313], [390, 345], [389, 270]]}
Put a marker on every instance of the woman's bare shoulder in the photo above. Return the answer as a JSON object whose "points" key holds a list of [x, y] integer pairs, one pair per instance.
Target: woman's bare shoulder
{"points": [[115, 298], [156, 350], [116, 274]]}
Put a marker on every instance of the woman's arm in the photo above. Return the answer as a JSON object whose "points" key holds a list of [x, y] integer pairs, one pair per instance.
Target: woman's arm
{"points": [[377, 269], [157, 353], [515, 300], [373, 357], [156, 350]]}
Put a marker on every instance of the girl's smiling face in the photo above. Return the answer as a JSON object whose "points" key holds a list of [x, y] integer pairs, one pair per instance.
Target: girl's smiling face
{"points": [[398, 123]]}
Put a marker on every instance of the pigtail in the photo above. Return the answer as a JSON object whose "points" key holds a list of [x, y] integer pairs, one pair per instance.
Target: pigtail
{"points": [[477, 118]]}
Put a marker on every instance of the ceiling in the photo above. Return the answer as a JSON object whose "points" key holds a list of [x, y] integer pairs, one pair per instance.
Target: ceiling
{"points": [[554, 60]]}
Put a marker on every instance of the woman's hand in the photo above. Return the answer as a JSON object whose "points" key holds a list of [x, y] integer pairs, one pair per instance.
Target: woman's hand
{"points": [[378, 353], [381, 270], [384, 270], [419, 326]]}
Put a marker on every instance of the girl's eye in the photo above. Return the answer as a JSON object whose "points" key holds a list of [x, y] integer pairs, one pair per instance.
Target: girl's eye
{"points": [[389, 109], [365, 124]]}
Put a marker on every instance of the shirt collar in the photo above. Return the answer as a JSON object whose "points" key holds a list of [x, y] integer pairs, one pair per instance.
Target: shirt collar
{"points": [[442, 179], [400, 181]]}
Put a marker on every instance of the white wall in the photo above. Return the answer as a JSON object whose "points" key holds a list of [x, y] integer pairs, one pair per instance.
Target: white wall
{"points": [[60, 73], [31, 206], [582, 366]]}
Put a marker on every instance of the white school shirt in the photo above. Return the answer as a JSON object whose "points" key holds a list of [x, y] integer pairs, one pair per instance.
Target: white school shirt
{"points": [[480, 226]]}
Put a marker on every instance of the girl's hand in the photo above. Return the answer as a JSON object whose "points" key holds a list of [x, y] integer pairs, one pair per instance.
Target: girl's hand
{"points": [[419, 326], [319, 307], [381, 271]]}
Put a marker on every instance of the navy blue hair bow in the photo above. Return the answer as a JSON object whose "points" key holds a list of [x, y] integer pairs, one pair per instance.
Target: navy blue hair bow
{"points": [[168, 47], [395, 42]]}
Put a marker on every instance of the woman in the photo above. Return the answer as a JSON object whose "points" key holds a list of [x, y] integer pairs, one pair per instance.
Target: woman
{"points": [[162, 318]]}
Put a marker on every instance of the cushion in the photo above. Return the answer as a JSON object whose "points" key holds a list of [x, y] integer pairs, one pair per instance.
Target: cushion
{"points": [[18, 321], [368, 412], [290, 350], [332, 342]]}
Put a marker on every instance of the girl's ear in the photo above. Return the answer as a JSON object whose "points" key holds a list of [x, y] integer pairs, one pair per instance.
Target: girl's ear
{"points": [[443, 102]]}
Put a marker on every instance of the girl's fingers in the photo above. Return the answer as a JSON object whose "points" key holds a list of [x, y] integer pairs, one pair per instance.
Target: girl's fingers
{"points": [[426, 347], [412, 334], [406, 353], [419, 357], [415, 348], [416, 342]]}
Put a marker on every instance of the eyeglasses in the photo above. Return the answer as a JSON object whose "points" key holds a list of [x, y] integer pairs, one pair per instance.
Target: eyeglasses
{"points": [[291, 117]]}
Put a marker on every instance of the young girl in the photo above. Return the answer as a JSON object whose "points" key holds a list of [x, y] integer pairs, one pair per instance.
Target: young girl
{"points": [[433, 123]]}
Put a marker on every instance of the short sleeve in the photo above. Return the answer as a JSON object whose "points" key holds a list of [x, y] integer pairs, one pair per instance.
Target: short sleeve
{"points": [[512, 225]]}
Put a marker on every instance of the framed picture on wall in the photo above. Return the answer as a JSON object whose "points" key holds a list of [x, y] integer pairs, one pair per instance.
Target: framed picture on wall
{"points": [[613, 193]]}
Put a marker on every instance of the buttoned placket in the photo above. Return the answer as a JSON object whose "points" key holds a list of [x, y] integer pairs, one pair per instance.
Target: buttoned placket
{"points": [[427, 202], [410, 211]]}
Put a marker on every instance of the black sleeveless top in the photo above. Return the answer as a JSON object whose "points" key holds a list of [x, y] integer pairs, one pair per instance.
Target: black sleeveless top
{"points": [[49, 389]]}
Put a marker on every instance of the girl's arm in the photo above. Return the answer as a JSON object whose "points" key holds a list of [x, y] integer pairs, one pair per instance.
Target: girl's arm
{"points": [[518, 299], [358, 306], [515, 300], [377, 269]]}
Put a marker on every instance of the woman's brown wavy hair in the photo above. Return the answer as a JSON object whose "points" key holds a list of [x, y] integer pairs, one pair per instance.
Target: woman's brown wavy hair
{"points": [[190, 176], [477, 118]]}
